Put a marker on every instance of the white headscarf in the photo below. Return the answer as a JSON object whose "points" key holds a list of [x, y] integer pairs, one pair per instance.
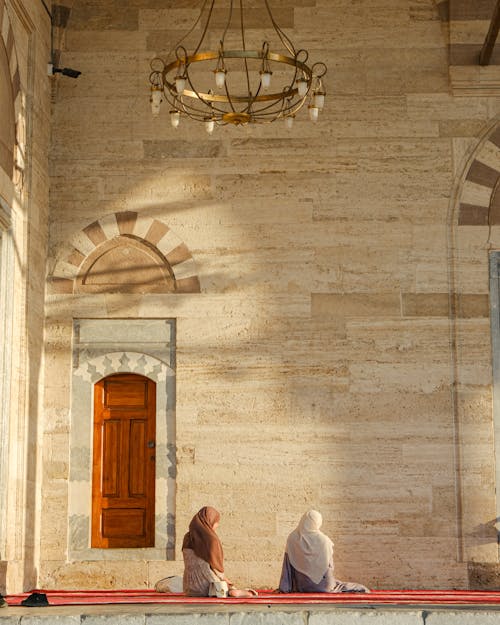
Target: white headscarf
{"points": [[308, 549]]}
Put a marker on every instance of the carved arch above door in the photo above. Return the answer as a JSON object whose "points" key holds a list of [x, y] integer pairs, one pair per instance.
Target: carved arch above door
{"points": [[122, 253]]}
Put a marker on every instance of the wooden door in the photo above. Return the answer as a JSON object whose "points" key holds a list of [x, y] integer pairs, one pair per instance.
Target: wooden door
{"points": [[123, 473]]}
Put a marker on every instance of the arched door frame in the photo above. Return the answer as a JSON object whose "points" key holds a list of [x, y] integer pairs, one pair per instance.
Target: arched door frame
{"points": [[84, 377]]}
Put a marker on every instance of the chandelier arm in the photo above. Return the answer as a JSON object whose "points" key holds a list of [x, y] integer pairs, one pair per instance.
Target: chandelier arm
{"points": [[285, 40], [197, 94], [207, 100], [252, 99], [294, 107], [205, 27], [229, 20], [193, 113], [203, 3], [284, 108], [295, 72], [319, 73], [255, 98], [183, 58], [243, 43], [229, 99], [268, 110], [155, 78], [242, 25], [217, 113], [180, 105]]}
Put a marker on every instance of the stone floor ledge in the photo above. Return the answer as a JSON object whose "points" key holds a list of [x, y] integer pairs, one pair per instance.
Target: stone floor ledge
{"points": [[250, 615]]}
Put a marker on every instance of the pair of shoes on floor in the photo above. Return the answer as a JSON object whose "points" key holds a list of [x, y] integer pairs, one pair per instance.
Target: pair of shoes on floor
{"points": [[35, 600], [3, 603]]}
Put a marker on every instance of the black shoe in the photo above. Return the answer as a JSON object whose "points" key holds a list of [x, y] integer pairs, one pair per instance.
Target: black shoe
{"points": [[35, 600], [3, 603]]}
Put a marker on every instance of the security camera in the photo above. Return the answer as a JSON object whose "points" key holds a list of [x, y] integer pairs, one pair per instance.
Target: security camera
{"points": [[65, 71]]}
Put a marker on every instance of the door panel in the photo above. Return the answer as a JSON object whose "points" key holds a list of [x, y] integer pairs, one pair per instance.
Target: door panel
{"points": [[122, 393], [110, 458], [137, 458], [114, 520], [123, 480]]}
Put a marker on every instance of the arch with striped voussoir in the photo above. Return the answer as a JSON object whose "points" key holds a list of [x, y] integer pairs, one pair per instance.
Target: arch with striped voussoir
{"points": [[13, 132], [479, 197], [125, 252]]}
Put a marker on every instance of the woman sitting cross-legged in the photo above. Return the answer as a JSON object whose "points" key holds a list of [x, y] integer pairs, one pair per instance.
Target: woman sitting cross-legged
{"points": [[203, 557], [308, 562]]}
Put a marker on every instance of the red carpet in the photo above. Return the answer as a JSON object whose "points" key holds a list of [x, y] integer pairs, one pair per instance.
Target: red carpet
{"points": [[377, 597]]}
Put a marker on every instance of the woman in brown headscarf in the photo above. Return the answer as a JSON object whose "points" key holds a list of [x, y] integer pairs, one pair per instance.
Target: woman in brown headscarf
{"points": [[204, 558]]}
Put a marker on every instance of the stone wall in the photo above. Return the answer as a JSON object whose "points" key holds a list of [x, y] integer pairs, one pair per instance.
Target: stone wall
{"points": [[25, 30], [336, 354]]}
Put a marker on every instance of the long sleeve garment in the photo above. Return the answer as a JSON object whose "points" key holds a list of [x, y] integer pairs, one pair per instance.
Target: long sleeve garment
{"points": [[198, 575], [295, 581]]}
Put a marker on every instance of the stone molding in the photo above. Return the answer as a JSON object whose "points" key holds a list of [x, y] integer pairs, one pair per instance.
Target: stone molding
{"points": [[262, 615], [122, 362], [18, 96], [152, 232]]}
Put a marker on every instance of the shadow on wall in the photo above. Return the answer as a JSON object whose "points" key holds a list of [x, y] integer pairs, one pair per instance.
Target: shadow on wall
{"points": [[307, 407], [485, 575], [486, 533]]}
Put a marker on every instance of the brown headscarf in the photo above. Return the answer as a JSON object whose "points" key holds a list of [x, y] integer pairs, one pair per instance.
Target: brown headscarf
{"points": [[203, 540]]}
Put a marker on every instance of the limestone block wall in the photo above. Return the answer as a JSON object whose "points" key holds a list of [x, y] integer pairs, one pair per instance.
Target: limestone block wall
{"points": [[25, 32], [337, 352]]}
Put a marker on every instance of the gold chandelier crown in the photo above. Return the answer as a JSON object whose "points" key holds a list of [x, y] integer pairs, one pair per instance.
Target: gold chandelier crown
{"points": [[233, 84]]}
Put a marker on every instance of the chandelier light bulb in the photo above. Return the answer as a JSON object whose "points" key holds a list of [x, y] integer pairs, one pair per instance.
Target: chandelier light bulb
{"points": [[319, 99], [175, 118], [220, 78], [265, 79], [313, 113], [302, 87], [155, 100], [267, 83], [180, 83]]}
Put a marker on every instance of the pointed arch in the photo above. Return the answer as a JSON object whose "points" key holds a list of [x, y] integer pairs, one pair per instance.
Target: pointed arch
{"points": [[93, 257]]}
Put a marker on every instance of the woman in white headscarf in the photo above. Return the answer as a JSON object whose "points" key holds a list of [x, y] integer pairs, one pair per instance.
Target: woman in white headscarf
{"points": [[308, 562]]}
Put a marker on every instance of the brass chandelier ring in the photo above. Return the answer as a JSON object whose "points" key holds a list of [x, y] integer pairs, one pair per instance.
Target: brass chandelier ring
{"points": [[233, 54]]}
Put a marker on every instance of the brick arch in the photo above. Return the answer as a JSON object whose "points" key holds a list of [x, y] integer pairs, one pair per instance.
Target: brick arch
{"points": [[18, 96], [479, 197], [152, 232]]}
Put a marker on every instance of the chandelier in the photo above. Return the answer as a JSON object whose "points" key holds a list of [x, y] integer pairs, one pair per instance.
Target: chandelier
{"points": [[238, 82]]}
